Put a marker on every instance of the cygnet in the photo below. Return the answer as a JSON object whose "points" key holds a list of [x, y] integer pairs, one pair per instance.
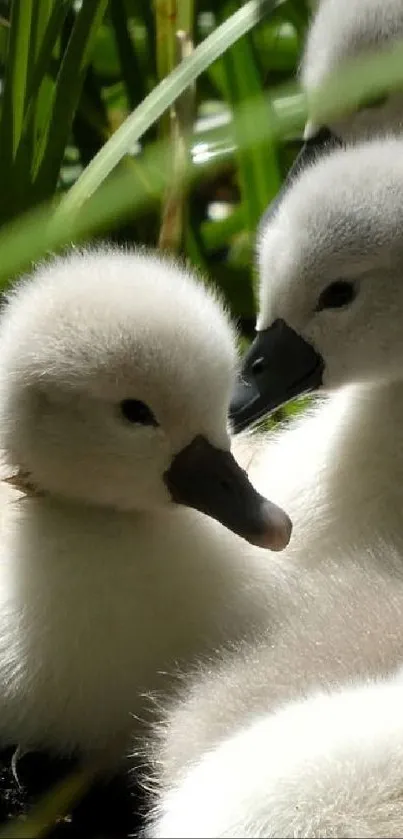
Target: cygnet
{"points": [[300, 736], [330, 320], [115, 375], [342, 30]]}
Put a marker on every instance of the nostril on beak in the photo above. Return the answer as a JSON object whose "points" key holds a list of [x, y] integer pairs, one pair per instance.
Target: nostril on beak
{"points": [[258, 366]]}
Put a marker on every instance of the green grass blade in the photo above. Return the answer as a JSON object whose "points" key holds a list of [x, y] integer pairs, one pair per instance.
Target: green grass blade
{"points": [[49, 18], [16, 81], [4, 39], [46, 40], [167, 25], [162, 97], [15, 148], [186, 16], [258, 169], [41, 14], [37, 93], [131, 70], [67, 92], [171, 33]]}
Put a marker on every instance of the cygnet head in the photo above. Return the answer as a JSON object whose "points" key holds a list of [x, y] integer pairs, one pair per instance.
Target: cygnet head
{"points": [[342, 30], [331, 282], [347, 29], [115, 375]]}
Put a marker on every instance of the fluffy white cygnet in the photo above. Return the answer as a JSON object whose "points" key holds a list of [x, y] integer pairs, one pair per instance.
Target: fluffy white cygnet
{"points": [[346, 29], [331, 314], [115, 375], [342, 30], [300, 736]]}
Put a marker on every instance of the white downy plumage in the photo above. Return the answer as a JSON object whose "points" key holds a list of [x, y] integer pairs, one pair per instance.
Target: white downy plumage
{"points": [[345, 29], [342, 30], [111, 365], [302, 735], [337, 470]]}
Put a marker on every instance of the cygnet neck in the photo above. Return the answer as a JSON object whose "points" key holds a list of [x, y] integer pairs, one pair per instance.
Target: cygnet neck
{"points": [[368, 453], [377, 399], [70, 505], [373, 423]]}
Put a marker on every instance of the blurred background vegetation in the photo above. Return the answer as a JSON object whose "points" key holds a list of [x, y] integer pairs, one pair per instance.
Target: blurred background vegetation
{"points": [[72, 71]]}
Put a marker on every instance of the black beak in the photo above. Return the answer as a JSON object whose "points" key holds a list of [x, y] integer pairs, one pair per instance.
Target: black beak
{"points": [[210, 480], [279, 366], [321, 142]]}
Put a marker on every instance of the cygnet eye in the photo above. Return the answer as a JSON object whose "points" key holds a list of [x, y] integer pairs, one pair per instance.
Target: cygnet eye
{"points": [[336, 295], [137, 412]]}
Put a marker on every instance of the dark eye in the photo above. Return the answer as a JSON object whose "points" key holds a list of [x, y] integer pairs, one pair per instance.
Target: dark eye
{"points": [[336, 295], [135, 411]]}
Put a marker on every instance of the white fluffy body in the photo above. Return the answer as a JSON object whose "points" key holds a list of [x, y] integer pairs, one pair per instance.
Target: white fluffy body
{"points": [[104, 583], [301, 734], [326, 766], [348, 29], [297, 735]]}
